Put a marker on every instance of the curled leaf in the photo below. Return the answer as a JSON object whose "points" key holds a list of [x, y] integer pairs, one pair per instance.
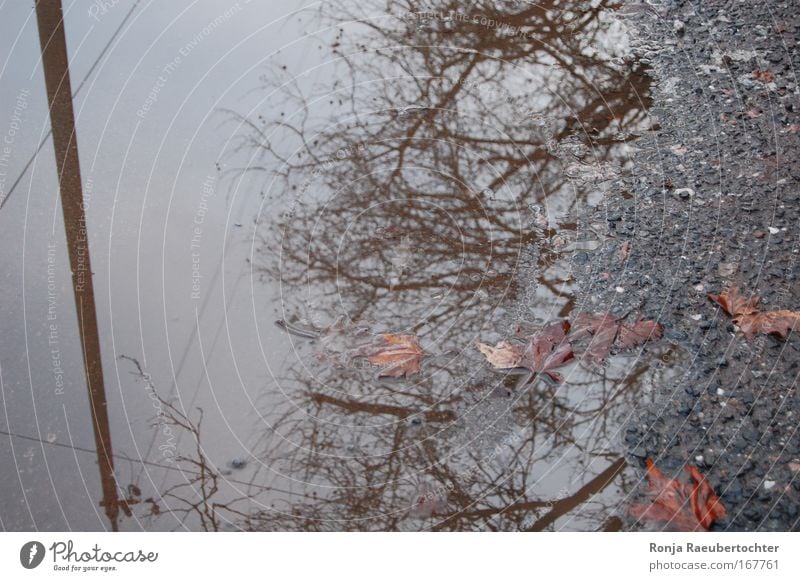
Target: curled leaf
{"points": [[683, 506], [750, 320], [504, 355], [771, 322], [734, 303]]}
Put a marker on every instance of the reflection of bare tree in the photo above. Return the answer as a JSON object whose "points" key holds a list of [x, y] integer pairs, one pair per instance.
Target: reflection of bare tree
{"points": [[372, 457], [405, 179], [404, 187]]}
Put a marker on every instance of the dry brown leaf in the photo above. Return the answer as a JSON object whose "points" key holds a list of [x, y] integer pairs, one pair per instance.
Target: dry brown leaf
{"points": [[504, 355], [770, 322], [397, 355], [639, 333], [734, 303], [750, 320]]}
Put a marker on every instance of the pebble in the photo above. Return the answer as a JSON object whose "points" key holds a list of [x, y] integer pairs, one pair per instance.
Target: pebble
{"points": [[675, 335], [769, 484], [773, 230], [726, 269], [580, 258]]}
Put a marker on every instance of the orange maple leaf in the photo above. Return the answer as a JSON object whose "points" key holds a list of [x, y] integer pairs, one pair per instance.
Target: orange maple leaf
{"points": [[683, 506]]}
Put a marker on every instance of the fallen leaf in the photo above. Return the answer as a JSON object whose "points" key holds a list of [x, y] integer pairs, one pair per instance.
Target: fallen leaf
{"points": [[770, 322], [683, 506], [544, 351], [639, 333], [734, 303], [706, 505], [554, 345], [397, 355], [606, 330], [548, 349], [750, 320], [601, 327], [504, 355]]}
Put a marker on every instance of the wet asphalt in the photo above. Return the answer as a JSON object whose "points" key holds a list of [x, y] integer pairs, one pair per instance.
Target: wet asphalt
{"points": [[712, 201]]}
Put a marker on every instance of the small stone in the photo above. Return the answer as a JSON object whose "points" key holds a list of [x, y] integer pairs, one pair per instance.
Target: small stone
{"points": [[726, 269], [769, 484], [675, 335], [619, 289], [773, 230], [580, 257], [720, 391], [695, 317]]}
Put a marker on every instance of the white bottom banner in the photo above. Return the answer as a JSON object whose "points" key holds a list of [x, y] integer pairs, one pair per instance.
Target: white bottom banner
{"points": [[352, 556]]}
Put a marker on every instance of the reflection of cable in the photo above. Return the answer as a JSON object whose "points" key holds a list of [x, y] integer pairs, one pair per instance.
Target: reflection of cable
{"points": [[154, 464], [75, 94]]}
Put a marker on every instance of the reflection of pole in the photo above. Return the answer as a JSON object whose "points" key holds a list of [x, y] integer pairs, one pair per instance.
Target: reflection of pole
{"points": [[62, 120]]}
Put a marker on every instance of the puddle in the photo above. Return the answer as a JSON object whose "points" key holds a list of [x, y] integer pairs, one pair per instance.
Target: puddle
{"points": [[416, 173]]}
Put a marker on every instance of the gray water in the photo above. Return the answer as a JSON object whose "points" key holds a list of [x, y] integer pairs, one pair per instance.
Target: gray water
{"points": [[249, 162]]}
